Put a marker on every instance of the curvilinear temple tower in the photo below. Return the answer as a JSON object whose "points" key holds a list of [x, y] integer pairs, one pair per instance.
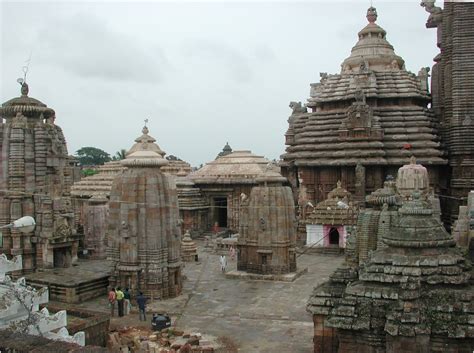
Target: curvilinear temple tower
{"points": [[452, 88], [267, 227], [144, 228], [35, 180], [363, 124]]}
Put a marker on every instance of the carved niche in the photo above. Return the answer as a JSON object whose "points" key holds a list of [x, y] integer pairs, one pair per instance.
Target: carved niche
{"points": [[359, 121]]}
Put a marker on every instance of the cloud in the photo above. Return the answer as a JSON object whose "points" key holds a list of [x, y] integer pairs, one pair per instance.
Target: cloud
{"points": [[219, 56], [85, 46]]}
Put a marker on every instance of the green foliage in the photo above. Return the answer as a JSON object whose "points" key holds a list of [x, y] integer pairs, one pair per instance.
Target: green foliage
{"points": [[89, 172], [119, 155], [92, 156]]}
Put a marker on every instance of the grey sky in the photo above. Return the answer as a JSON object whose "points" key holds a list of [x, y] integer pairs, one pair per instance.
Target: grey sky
{"points": [[203, 73]]}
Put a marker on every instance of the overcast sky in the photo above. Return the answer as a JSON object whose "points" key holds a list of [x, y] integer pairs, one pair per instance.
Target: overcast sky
{"points": [[203, 72]]}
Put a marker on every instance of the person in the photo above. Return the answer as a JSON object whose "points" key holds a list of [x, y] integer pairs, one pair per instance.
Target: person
{"points": [[112, 299], [223, 262], [141, 302], [119, 295], [126, 302]]}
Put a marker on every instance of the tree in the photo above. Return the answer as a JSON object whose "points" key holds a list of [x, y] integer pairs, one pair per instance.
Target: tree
{"points": [[92, 156], [119, 155]]}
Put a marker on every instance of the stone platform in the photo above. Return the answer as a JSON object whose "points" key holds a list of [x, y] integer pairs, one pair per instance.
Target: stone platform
{"points": [[287, 277], [86, 280]]}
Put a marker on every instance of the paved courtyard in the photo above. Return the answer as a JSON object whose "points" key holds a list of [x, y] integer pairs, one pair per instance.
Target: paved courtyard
{"points": [[258, 316]]}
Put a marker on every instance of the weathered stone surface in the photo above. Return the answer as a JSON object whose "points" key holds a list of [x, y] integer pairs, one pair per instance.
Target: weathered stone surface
{"points": [[37, 176], [144, 230], [266, 243]]}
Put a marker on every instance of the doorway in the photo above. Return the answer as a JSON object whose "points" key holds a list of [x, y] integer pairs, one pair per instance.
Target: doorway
{"points": [[220, 211], [62, 257], [333, 237]]}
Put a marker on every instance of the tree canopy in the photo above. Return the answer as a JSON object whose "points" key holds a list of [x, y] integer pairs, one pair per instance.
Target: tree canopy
{"points": [[92, 156], [119, 155]]}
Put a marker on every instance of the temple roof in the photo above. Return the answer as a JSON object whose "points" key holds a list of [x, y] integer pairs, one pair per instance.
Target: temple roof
{"points": [[336, 209], [238, 167], [98, 184], [373, 112], [189, 196], [25, 105], [144, 153], [372, 49]]}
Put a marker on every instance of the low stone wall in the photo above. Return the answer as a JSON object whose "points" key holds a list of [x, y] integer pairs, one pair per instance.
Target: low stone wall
{"points": [[11, 342], [94, 324]]}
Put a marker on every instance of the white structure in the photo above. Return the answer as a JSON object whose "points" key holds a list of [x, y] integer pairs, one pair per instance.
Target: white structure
{"points": [[19, 307]]}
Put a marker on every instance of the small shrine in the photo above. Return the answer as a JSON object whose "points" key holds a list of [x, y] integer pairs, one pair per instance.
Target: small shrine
{"points": [[331, 220]]}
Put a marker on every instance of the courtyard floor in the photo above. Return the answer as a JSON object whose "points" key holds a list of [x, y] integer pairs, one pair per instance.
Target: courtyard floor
{"points": [[258, 316]]}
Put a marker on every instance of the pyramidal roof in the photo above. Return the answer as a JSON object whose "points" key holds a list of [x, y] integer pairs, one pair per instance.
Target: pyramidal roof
{"points": [[236, 167], [372, 50], [145, 153]]}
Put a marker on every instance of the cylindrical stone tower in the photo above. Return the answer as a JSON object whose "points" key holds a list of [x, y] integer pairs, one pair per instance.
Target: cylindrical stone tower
{"points": [[268, 228], [144, 231]]}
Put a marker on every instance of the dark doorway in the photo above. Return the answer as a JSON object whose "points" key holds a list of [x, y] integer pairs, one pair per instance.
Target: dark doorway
{"points": [[334, 236], [220, 211], [62, 257]]}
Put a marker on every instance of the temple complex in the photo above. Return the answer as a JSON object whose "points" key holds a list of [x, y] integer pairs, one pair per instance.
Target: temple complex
{"points": [[144, 228], [267, 230], [222, 182], [37, 174], [413, 294], [331, 220], [452, 89], [362, 124]]}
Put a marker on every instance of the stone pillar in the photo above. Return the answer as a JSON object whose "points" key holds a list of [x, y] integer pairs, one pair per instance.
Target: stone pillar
{"points": [[359, 195]]}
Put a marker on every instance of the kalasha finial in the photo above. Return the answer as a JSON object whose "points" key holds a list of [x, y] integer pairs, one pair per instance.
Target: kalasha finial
{"points": [[412, 160], [145, 128], [372, 14]]}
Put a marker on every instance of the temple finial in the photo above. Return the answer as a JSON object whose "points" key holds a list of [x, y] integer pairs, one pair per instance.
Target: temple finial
{"points": [[145, 128], [412, 160], [371, 14]]}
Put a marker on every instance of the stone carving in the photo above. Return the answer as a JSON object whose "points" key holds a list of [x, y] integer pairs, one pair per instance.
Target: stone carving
{"points": [[371, 14], [436, 13], [423, 75], [298, 108]]}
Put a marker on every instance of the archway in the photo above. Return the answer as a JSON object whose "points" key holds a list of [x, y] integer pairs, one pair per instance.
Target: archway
{"points": [[333, 236]]}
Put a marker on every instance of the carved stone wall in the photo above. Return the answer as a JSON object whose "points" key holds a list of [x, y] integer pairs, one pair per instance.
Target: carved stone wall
{"points": [[37, 173], [267, 228], [144, 231]]}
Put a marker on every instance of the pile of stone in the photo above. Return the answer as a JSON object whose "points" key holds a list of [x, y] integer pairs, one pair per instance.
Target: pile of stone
{"points": [[169, 340]]}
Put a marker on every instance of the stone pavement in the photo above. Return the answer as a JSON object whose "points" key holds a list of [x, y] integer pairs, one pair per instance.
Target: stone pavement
{"points": [[258, 316]]}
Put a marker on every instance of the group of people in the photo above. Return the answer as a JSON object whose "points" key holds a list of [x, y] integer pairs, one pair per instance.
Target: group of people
{"points": [[124, 305], [223, 259]]}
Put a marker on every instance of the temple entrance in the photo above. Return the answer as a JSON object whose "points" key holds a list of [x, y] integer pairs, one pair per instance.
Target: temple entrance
{"points": [[62, 257], [334, 236], [220, 211]]}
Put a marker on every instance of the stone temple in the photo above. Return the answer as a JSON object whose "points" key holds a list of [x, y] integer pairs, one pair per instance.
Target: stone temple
{"points": [[37, 174], [363, 124], [144, 228], [452, 89], [413, 294], [267, 236]]}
